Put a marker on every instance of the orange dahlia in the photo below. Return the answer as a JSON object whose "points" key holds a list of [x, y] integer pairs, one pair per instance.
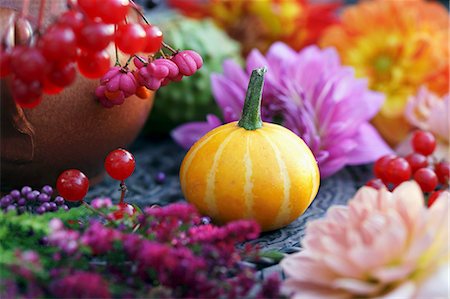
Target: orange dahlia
{"points": [[398, 46], [257, 24]]}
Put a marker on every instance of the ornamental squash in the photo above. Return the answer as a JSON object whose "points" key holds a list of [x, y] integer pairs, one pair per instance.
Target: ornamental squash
{"points": [[250, 169]]}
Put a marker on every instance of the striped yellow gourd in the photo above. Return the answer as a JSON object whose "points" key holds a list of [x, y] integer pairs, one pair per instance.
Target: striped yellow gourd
{"points": [[250, 169]]}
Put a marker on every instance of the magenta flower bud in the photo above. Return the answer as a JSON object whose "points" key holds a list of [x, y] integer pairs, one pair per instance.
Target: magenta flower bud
{"points": [[178, 78], [188, 62], [170, 65], [116, 85], [100, 94], [157, 71], [165, 81], [146, 78], [153, 83], [113, 84], [128, 84]]}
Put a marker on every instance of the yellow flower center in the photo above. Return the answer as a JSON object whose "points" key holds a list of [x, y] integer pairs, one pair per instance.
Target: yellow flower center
{"points": [[383, 63]]}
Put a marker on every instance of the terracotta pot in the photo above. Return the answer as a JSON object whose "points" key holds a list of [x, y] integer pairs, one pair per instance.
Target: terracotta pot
{"points": [[68, 130]]}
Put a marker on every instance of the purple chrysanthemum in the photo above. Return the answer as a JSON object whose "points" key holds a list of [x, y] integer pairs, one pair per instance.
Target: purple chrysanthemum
{"points": [[312, 94]]}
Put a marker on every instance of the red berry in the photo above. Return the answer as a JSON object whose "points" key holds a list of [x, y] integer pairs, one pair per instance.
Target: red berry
{"points": [[95, 36], [131, 38], [120, 164], [398, 171], [49, 88], [62, 75], [123, 209], [433, 196], [375, 183], [73, 19], [113, 11], [423, 142], [5, 63], [416, 161], [380, 166], [73, 185], [26, 94], [90, 7], [154, 39], [443, 172], [28, 64], [94, 65], [426, 178], [59, 43]]}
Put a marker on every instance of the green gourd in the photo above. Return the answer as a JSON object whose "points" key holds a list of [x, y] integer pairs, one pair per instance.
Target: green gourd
{"points": [[191, 98]]}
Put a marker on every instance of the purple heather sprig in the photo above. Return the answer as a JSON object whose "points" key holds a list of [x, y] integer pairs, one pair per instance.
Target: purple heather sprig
{"points": [[314, 96]]}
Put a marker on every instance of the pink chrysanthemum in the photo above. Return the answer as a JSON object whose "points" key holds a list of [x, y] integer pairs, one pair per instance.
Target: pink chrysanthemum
{"points": [[382, 245], [314, 96], [429, 112]]}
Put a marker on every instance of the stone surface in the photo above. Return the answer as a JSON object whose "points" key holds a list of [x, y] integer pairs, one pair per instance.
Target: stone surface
{"points": [[153, 156]]}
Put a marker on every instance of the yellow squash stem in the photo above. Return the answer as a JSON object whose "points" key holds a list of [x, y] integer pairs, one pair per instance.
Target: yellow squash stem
{"points": [[251, 113]]}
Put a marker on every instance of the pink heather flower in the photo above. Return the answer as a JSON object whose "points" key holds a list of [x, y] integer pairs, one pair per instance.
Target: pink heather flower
{"points": [[80, 285], [100, 238], [316, 97], [427, 111], [382, 245], [101, 202]]}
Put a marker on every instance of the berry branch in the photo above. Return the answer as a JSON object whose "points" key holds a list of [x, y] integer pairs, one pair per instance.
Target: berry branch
{"points": [[78, 39], [41, 15]]}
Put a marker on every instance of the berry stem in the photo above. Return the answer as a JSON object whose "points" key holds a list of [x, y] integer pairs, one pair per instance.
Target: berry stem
{"points": [[251, 114], [140, 59], [116, 50], [128, 61], [141, 14], [25, 8], [163, 54], [123, 189], [41, 15], [169, 48]]}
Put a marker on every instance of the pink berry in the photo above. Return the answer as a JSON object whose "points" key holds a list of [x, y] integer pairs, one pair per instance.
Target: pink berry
{"points": [[188, 62], [172, 68]]}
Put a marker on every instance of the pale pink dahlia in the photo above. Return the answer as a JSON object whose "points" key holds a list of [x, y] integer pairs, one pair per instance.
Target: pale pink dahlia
{"points": [[310, 93], [382, 245], [430, 112]]}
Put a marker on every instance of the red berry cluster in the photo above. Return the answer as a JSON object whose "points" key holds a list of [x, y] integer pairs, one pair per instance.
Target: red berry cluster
{"points": [[432, 176], [46, 60]]}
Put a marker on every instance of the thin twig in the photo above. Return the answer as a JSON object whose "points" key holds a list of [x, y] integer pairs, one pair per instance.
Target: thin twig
{"points": [[169, 48], [25, 8], [162, 53], [141, 59], [123, 189], [137, 9], [41, 14], [115, 47], [128, 61]]}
